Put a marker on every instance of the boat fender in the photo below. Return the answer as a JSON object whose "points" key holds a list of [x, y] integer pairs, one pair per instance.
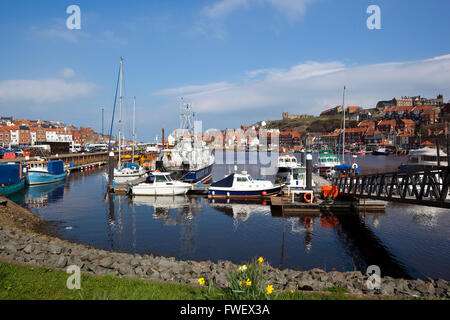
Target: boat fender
{"points": [[228, 194], [309, 197], [264, 193]]}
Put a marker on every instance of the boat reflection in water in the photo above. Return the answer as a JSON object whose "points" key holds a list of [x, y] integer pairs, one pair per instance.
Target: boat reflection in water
{"points": [[42, 195], [181, 211], [241, 210]]}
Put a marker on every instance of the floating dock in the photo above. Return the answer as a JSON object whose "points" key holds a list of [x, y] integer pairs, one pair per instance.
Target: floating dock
{"points": [[286, 205]]}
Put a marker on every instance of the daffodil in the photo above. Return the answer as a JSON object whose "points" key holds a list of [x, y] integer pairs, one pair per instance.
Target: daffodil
{"points": [[261, 260], [248, 282], [242, 268], [269, 289], [240, 283], [201, 281]]}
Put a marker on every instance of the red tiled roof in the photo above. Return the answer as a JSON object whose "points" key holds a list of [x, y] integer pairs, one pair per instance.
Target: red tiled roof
{"points": [[408, 121], [387, 122]]}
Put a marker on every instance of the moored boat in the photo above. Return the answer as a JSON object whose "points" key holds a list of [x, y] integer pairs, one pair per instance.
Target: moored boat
{"points": [[43, 172], [381, 152], [326, 161], [160, 184], [11, 178], [242, 185]]}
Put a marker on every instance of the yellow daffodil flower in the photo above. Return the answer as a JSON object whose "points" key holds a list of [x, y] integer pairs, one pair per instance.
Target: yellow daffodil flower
{"points": [[269, 289], [261, 260], [201, 281], [248, 282]]}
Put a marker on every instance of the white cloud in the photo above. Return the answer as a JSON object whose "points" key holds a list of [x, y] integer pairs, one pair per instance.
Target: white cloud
{"points": [[44, 91], [312, 86], [192, 89], [292, 9], [67, 73]]}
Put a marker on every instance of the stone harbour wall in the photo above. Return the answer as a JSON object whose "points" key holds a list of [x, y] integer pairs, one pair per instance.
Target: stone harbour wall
{"points": [[26, 247]]}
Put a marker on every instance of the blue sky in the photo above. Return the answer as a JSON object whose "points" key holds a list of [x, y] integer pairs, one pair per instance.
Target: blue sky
{"points": [[236, 61]]}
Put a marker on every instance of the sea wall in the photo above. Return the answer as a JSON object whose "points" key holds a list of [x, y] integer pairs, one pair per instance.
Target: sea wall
{"points": [[22, 245]]}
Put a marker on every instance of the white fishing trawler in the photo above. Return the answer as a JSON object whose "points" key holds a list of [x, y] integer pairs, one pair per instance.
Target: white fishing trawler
{"points": [[190, 160]]}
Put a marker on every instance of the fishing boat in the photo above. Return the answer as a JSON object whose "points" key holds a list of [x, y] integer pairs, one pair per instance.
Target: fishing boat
{"points": [[11, 178], [242, 185], [43, 172], [290, 172], [381, 152], [359, 153], [425, 158], [190, 160], [127, 172], [326, 161], [159, 184]]}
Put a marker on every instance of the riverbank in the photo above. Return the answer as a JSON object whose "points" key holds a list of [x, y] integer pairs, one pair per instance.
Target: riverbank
{"points": [[21, 242]]}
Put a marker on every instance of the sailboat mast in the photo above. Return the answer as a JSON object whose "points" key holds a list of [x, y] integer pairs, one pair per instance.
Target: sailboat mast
{"points": [[120, 118], [134, 127], [343, 127]]}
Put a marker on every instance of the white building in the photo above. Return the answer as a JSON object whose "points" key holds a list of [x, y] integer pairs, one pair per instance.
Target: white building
{"points": [[53, 136]]}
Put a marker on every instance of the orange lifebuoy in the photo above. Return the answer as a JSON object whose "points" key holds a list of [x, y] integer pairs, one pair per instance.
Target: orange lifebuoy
{"points": [[309, 197]]}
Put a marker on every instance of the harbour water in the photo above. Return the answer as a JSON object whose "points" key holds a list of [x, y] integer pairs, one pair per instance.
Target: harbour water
{"points": [[406, 240]]}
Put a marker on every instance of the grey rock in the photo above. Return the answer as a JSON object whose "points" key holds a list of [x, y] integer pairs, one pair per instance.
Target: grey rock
{"points": [[54, 249], [28, 249], [62, 262], [106, 262]]}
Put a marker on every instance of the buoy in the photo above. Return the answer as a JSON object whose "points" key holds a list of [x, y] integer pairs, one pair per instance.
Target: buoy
{"points": [[264, 193], [228, 194], [309, 197]]}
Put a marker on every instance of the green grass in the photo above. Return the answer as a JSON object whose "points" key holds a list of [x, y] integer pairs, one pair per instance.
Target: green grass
{"points": [[43, 283]]}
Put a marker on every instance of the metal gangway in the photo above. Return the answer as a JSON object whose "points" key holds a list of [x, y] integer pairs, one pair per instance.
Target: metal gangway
{"points": [[426, 187]]}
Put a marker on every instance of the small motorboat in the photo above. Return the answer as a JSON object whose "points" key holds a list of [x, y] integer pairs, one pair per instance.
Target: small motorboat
{"points": [[242, 185], [43, 172], [160, 184], [381, 152]]}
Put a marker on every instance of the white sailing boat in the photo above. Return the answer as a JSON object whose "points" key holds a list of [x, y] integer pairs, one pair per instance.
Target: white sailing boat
{"points": [[127, 172]]}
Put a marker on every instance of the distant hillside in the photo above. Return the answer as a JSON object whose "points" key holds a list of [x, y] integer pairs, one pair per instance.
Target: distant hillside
{"points": [[314, 124]]}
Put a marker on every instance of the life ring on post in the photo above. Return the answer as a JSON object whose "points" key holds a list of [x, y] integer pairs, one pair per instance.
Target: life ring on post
{"points": [[354, 166], [309, 197]]}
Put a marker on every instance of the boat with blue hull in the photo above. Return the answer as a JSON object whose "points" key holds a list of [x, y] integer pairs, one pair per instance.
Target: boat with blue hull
{"points": [[242, 185], [43, 172], [201, 175], [11, 178]]}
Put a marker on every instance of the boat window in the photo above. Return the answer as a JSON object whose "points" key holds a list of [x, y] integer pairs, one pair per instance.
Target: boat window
{"points": [[242, 179], [250, 178], [160, 179], [168, 178]]}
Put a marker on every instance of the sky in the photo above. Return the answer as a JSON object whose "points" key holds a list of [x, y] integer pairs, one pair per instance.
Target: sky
{"points": [[236, 61]]}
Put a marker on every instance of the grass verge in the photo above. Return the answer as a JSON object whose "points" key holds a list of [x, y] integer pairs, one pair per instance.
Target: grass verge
{"points": [[43, 283]]}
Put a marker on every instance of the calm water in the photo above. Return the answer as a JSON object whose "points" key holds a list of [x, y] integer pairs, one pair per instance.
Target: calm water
{"points": [[404, 241]]}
